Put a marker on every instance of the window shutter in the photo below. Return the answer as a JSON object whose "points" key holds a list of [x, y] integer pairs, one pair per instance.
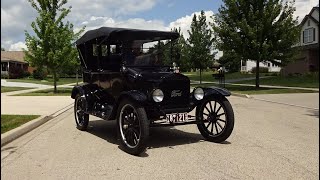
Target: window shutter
{"points": [[314, 34], [304, 32]]}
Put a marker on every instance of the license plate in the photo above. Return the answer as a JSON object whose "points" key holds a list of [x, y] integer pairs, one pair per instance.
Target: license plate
{"points": [[177, 117]]}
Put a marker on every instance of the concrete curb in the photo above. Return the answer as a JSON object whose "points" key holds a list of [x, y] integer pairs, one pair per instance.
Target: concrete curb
{"points": [[284, 103], [241, 95], [29, 126]]}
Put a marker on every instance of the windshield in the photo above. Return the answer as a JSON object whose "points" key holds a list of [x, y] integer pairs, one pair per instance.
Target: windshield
{"points": [[156, 53]]}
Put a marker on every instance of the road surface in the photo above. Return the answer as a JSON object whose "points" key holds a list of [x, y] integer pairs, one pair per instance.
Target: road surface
{"points": [[269, 141]]}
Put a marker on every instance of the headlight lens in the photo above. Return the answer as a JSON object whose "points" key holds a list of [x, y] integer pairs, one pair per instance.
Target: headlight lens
{"points": [[157, 95], [198, 93]]}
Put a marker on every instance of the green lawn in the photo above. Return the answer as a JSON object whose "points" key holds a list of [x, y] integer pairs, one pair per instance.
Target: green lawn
{"points": [[308, 81], [48, 81], [9, 89], [9, 122], [48, 92], [207, 76], [252, 90]]}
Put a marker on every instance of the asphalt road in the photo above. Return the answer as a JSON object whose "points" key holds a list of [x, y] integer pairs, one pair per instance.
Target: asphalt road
{"points": [[270, 141]]}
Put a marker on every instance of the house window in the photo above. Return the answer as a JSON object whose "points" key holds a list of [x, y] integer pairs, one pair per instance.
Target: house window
{"points": [[308, 35], [243, 63], [268, 64], [308, 22], [4, 66]]}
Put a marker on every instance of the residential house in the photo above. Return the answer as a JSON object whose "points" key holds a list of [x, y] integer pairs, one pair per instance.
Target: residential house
{"points": [[248, 65], [12, 62], [308, 60]]}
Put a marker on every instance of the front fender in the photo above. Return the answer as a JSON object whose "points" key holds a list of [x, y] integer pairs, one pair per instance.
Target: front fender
{"points": [[134, 95], [216, 91]]}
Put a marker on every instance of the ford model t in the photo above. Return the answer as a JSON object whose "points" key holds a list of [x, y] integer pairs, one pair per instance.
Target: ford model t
{"points": [[140, 88]]}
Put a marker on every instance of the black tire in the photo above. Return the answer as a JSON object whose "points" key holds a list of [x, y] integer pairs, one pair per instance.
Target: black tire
{"points": [[82, 119], [133, 127], [210, 117]]}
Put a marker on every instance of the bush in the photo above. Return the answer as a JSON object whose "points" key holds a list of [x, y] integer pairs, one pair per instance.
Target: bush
{"points": [[39, 74], [4, 76], [261, 70], [26, 74]]}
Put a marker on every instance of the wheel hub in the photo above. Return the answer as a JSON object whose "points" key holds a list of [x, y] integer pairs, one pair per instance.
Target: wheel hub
{"points": [[213, 117]]}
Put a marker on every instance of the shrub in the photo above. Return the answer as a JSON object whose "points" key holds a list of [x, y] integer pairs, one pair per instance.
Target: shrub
{"points": [[4, 76], [39, 74], [26, 74], [261, 70]]}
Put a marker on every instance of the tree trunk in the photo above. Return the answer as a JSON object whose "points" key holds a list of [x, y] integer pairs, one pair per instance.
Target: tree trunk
{"points": [[257, 74], [55, 82], [200, 76]]}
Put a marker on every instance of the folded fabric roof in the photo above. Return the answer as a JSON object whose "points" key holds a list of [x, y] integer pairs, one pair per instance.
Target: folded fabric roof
{"points": [[125, 34]]}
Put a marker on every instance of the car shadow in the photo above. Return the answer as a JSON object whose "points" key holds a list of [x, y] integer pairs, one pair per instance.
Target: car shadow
{"points": [[159, 136], [313, 113]]}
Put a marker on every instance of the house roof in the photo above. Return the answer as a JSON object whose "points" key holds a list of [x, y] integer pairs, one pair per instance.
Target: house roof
{"points": [[310, 17], [17, 56]]}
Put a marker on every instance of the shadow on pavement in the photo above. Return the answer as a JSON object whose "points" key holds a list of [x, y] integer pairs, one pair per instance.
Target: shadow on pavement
{"points": [[314, 113], [159, 136]]}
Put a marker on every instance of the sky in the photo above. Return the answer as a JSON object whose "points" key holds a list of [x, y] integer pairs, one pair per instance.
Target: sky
{"points": [[17, 15]]}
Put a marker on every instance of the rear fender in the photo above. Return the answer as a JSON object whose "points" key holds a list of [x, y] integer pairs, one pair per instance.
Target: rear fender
{"points": [[86, 92]]}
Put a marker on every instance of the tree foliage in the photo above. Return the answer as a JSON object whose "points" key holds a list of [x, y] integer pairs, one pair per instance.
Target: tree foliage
{"points": [[230, 61], [51, 45], [259, 30], [200, 43], [2, 49]]}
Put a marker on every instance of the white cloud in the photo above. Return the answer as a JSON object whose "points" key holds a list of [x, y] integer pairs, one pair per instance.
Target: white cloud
{"points": [[17, 46], [185, 22], [303, 7]]}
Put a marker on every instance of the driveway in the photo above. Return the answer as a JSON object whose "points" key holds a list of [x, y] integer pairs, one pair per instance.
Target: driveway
{"points": [[269, 141]]}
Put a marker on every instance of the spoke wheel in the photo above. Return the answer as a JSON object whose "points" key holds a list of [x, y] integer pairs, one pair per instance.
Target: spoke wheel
{"points": [[215, 119], [82, 119], [133, 127]]}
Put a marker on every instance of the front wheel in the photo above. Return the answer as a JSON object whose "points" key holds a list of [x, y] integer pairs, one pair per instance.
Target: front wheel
{"points": [[133, 127], [215, 119]]}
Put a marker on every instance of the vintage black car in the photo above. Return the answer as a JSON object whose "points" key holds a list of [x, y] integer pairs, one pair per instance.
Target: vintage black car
{"points": [[139, 91]]}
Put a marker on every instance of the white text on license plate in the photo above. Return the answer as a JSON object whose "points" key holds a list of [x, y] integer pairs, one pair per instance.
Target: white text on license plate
{"points": [[177, 117]]}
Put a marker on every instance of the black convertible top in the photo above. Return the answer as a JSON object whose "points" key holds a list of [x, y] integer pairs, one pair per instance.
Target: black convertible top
{"points": [[125, 34]]}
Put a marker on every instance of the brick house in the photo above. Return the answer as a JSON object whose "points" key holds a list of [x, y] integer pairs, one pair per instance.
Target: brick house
{"points": [[308, 60], [13, 62]]}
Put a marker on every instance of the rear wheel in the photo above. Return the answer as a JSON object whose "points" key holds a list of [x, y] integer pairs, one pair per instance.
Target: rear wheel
{"points": [[82, 119], [215, 119], [133, 127]]}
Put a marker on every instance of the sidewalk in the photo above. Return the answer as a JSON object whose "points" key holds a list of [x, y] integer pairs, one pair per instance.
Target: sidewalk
{"points": [[266, 86], [37, 105]]}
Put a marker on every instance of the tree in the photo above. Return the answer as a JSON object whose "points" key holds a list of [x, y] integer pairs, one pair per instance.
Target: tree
{"points": [[230, 61], [200, 43], [2, 49], [259, 30], [52, 45], [177, 54]]}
